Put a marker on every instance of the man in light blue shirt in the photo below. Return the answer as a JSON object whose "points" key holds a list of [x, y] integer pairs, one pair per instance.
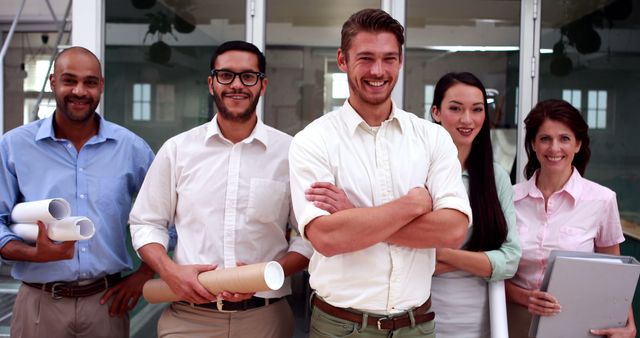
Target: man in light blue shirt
{"points": [[74, 288]]}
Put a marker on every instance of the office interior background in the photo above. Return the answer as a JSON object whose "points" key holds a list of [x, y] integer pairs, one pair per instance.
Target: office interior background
{"points": [[156, 61]]}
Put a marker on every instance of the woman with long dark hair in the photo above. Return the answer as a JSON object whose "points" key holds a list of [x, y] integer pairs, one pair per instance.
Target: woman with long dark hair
{"points": [[558, 209], [492, 250]]}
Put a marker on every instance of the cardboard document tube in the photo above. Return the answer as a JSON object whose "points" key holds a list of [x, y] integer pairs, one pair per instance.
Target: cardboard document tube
{"points": [[498, 310], [242, 279], [46, 211], [66, 229]]}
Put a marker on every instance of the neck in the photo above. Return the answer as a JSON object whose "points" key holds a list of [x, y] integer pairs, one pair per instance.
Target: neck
{"points": [[372, 114], [236, 131], [463, 155], [548, 183], [78, 132]]}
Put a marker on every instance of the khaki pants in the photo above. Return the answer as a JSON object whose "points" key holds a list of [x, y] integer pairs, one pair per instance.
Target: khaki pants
{"points": [[181, 320], [324, 325], [37, 314], [519, 320]]}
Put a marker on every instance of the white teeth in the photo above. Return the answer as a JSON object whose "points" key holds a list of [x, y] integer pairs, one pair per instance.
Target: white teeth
{"points": [[554, 158], [376, 83], [465, 130]]}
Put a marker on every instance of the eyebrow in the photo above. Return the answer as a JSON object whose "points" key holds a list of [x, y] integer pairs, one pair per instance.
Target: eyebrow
{"points": [[460, 103], [362, 53], [90, 77], [242, 71]]}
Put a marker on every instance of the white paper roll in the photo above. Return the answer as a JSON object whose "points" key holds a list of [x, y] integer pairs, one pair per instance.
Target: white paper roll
{"points": [[47, 211], [28, 232], [67, 229], [498, 310], [71, 229]]}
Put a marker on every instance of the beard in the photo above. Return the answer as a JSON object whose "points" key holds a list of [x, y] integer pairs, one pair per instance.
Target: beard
{"points": [[243, 116], [63, 106]]}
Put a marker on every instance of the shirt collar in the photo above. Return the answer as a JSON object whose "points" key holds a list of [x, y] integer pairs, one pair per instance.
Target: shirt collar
{"points": [[573, 187], [105, 130], [353, 119], [259, 132]]}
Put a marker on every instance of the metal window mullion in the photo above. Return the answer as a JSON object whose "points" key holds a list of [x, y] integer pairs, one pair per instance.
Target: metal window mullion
{"points": [[256, 14], [397, 9], [3, 53], [529, 73], [87, 29]]}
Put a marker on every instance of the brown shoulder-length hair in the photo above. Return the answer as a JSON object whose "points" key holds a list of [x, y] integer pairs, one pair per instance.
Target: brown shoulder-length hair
{"points": [[370, 20], [563, 112]]}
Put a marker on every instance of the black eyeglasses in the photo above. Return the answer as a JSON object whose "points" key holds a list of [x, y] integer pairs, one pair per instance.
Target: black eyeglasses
{"points": [[225, 77]]}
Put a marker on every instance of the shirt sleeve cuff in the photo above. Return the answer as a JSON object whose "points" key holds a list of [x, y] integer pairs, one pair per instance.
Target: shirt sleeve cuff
{"points": [[309, 214], [143, 234], [455, 203], [301, 246]]}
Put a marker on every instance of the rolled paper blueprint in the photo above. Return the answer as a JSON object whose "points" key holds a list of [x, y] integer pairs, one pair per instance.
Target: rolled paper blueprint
{"points": [[71, 229], [498, 310], [28, 232], [66, 229], [46, 211], [241, 279]]}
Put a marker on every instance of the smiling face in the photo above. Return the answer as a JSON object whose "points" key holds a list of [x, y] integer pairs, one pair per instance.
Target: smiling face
{"points": [[77, 84], [235, 101], [555, 146], [461, 113], [372, 64]]}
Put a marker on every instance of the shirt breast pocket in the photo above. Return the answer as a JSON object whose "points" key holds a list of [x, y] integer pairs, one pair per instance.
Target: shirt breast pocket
{"points": [[575, 238], [266, 198], [112, 194]]}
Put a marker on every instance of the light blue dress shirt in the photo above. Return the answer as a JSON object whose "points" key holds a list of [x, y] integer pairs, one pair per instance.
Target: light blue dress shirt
{"points": [[99, 182]]}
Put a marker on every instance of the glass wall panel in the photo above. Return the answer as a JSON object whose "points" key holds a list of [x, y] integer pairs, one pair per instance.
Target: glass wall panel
{"points": [[478, 36], [302, 39], [595, 65], [157, 62]]}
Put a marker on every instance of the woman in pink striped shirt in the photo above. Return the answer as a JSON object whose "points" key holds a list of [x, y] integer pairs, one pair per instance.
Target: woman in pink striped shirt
{"points": [[558, 209]]}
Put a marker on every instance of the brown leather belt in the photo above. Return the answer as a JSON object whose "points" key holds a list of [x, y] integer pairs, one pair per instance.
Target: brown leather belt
{"points": [[389, 323], [77, 289], [244, 305]]}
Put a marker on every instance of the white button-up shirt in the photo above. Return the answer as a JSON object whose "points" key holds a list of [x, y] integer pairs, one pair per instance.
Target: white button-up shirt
{"points": [[230, 202], [375, 166]]}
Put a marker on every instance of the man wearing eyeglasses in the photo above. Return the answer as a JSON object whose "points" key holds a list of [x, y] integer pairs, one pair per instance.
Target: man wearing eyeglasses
{"points": [[225, 185]]}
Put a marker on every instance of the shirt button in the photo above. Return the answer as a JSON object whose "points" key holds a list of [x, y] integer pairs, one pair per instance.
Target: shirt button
{"points": [[81, 169], [82, 196], [68, 145], [83, 249]]}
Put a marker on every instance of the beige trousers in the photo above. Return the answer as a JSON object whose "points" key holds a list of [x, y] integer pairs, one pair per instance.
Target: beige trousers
{"points": [[519, 320], [181, 320], [36, 314]]}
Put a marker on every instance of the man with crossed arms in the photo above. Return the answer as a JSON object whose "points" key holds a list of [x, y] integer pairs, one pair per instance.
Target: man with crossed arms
{"points": [[372, 265]]}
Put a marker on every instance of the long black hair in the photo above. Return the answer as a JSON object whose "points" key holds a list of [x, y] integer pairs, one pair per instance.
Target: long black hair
{"points": [[489, 224], [561, 111]]}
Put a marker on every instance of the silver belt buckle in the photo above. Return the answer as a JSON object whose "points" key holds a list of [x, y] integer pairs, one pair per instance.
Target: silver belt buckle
{"points": [[379, 322], [219, 306], [53, 291]]}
